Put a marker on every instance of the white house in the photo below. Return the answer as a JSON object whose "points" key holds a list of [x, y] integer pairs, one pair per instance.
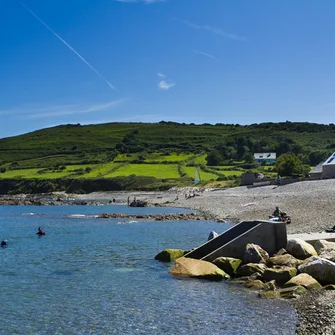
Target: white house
{"points": [[268, 157]]}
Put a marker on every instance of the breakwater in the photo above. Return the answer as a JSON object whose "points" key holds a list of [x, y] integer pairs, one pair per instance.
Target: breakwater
{"points": [[156, 217]]}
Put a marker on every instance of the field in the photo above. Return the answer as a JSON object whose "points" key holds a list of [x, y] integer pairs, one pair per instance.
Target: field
{"points": [[160, 154]]}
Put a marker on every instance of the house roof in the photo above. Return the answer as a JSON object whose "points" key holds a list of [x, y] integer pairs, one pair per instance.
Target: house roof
{"points": [[330, 160], [265, 155]]}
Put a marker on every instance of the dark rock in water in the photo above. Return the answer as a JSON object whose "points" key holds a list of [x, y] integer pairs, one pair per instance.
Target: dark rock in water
{"points": [[3, 244], [169, 255], [212, 235], [138, 203]]}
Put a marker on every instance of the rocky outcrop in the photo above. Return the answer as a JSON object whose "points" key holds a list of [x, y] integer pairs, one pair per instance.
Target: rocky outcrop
{"points": [[169, 255], [228, 264], [300, 249], [283, 260], [255, 254], [305, 280], [280, 275], [188, 267], [157, 217], [319, 268]]}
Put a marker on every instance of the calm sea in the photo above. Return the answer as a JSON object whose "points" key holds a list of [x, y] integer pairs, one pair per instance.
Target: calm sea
{"points": [[99, 276]]}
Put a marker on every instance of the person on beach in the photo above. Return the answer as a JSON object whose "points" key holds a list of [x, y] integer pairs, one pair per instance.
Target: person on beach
{"points": [[128, 201], [40, 231], [276, 212]]}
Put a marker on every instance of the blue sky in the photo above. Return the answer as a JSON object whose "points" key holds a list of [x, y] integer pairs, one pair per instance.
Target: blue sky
{"points": [[214, 61]]}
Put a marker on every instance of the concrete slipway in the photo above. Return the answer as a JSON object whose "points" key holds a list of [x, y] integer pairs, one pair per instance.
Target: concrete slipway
{"points": [[269, 235]]}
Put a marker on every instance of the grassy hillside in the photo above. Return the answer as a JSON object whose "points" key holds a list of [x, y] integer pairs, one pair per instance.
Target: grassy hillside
{"points": [[166, 152]]}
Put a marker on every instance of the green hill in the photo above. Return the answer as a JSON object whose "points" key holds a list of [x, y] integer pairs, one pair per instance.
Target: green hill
{"points": [[144, 155]]}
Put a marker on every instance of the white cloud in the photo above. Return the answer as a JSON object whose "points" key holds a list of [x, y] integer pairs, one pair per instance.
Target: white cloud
{"points": [[163, 85], [214, 30], [161, 75], [34, 111], [204, 54]]}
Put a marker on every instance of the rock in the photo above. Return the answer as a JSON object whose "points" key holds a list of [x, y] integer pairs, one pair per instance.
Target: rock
{"points": [[255, 284], [269, 294], [287, 293], [246, 279], [212, 235], [305, 280], [270, 285], [189, 267], [283, 260], [255, 254], [319, 268], [281, 275], [169, 255], [251, 268], [292, 292], [323, 245], [281, 252], [328, 254], [330, 287], [300, 249], [228, 264]]}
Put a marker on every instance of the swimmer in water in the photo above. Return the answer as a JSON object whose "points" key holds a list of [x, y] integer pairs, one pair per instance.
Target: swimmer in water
{"points": [[40, 231], [3, 243]]}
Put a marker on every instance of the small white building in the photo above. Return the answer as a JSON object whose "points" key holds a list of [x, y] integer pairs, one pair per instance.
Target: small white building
{"points": [[268, 157]]}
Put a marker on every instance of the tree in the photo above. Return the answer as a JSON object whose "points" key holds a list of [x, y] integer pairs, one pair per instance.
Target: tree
{"points": [[317, 156], [289, 165], [214, 158]]}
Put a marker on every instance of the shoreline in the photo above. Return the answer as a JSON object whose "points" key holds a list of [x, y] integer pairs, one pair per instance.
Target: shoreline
{"points": [[308, 203]]}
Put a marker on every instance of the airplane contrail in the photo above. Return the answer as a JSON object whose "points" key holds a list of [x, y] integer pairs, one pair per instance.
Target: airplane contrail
{"points": [[69, 46]]}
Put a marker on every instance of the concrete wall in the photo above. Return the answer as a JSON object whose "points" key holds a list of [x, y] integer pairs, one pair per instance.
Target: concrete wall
{"points": [[271, 236], [328, 171]]}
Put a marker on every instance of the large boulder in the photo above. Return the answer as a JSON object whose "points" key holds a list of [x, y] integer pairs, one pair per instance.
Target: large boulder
{"points": [[169, 255], [287, 293], [319, 268], [212, 235], [324, 245], [228, 264], [300, 249], [250, 269], [280, 275], [305, 280], [255, 254], [189, 267], [283, 260]]}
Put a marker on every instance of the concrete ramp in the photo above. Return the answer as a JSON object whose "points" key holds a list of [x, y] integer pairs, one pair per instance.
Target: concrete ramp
{"points": [[271, 236]]}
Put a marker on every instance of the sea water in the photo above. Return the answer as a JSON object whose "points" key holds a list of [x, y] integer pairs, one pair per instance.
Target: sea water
{"points": [[99, 276]]}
